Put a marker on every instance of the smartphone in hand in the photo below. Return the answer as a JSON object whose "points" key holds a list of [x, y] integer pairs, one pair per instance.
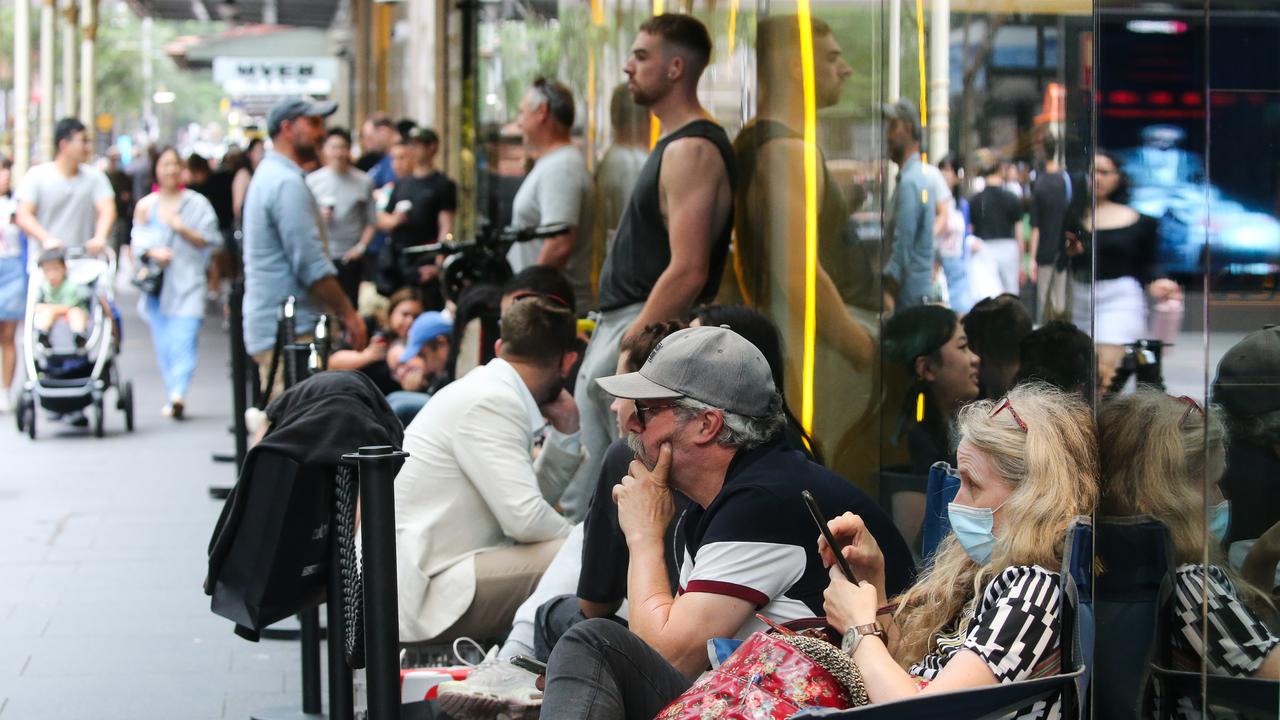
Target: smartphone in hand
{"points": [[836, 547], [525, 662]]}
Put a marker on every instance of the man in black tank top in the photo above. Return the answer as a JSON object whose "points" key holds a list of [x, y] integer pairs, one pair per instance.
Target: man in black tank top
{"points": [[671, 243]]}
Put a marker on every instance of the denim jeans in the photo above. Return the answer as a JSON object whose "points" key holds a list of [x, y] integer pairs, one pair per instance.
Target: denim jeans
{"points": [[601, 671], [406, 404], [175, 338]]}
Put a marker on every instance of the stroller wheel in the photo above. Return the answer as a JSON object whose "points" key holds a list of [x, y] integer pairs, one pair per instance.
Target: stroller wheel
{"points": [[99, 412], [125, 403], [28, 417]]}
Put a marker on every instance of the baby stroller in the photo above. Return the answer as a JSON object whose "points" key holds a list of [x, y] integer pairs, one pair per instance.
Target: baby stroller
{"points": [[62, 376]]}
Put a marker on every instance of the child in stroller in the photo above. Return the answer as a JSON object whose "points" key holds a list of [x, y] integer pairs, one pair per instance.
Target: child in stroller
{"points": [[60, 297]]}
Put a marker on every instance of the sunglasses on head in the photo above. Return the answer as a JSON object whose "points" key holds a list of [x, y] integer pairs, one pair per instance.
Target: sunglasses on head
{"points": [[526, 294], [1009, 404], [1191, 405]]}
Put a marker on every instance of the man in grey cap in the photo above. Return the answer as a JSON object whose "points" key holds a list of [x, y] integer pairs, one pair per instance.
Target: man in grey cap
{"points": [[708, 423], [285, 249], [908, 276]]}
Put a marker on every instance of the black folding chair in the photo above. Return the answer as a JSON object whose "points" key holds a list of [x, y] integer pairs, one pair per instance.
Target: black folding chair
{"points": [[1236, 697], [1136, 557]]}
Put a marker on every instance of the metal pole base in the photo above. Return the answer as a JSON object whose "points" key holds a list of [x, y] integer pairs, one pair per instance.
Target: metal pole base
{"points": [[285, 713]]}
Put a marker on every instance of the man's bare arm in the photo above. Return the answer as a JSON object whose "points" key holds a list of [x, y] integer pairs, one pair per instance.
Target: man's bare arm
{"points": [[26, 219], [557, 250], [695, 187], [782, 161]]}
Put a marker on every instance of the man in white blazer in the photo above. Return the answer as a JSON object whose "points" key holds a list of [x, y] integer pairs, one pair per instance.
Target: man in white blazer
{"points": [[475, 525]]}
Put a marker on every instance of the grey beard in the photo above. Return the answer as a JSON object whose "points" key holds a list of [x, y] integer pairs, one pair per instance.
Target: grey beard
{"points": [[637, 447]]}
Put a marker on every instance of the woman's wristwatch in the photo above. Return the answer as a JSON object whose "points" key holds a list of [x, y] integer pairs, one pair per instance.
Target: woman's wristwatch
{"points": [[853, 636]]}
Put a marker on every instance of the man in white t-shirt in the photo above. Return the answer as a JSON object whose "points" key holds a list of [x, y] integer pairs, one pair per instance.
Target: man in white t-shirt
{"points": [[345, 196], [557, 190], [66, 202]]}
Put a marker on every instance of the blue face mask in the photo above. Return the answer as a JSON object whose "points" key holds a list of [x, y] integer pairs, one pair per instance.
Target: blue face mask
{"points": [[973, 528], [1220, 519]]}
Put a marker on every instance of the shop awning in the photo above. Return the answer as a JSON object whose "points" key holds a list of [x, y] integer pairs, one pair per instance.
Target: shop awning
{"points": [[298, 13]]}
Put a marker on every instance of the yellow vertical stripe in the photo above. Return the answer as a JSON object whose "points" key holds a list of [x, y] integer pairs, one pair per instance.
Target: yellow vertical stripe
{"points": [[924, 97], [810, 214], [733, 25], [655, 127]]}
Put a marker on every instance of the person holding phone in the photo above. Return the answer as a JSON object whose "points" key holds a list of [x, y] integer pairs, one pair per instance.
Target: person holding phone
{"points": [[707, 422], [988, 610]]}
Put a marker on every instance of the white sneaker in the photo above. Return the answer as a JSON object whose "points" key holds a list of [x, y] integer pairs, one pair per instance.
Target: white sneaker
{"points": [[495, 690], [6, 401]]}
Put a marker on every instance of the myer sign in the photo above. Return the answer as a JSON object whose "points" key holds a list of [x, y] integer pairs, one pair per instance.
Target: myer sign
{"points": [[275, 76]]}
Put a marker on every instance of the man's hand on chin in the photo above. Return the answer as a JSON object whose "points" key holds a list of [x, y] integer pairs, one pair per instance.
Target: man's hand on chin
{"points": [[645, 504]]}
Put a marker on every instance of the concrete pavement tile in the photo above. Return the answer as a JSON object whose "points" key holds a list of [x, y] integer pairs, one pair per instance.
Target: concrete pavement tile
{"points": [[27, 621], [165, 698]]}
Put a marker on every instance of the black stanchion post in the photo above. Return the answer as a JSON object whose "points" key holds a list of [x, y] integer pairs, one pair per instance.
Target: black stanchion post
{"points": [[309, 619], [378, 468], [239, 371], [341, 685]]}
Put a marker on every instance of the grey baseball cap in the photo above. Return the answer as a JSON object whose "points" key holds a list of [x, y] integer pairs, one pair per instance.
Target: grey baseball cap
{"points": [[713, 365], [295, 107], [905, 110]]}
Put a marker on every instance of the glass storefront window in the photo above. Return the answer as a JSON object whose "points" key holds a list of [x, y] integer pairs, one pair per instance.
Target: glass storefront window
{"points": [[938, 200]]}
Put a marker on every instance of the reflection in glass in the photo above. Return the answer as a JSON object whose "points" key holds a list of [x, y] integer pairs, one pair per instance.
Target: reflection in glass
{"points": [[770, 226], [1163, 457]]}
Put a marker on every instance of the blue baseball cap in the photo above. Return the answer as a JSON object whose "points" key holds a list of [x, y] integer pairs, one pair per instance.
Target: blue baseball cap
{"points": [[428, 326]]}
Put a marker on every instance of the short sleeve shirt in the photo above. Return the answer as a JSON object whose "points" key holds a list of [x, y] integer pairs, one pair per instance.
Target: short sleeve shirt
{"points": [[557, 190], [994, 212], [351, 196], [68, 293], [756, 540], [65, 206], [1238, 642], [1014, 627], [430, 196]]}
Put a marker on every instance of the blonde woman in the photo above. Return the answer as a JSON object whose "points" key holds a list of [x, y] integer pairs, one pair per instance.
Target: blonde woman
{"points": [[1164, 456], [988, 610]]}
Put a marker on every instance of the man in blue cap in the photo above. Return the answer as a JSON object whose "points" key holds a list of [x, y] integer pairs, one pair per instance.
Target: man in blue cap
{"points": [[284, 238], [422, 366]]}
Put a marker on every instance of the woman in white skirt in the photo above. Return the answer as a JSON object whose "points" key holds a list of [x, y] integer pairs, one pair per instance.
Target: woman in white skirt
{"points": [[1128, 262]]}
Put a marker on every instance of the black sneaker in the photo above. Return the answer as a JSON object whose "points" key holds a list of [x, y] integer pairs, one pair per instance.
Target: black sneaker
{"points": [[42, 338], [80, 340]]}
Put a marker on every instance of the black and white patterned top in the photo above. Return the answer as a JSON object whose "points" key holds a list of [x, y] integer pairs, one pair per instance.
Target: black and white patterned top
{"points": [[1238, 642], [1013, 627]]}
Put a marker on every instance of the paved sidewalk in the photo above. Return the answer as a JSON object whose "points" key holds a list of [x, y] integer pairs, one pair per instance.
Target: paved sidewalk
{"points": [[102, 558]]}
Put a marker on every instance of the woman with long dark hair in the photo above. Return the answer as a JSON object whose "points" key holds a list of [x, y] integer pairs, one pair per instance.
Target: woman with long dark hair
{"points": [[930, 344]]}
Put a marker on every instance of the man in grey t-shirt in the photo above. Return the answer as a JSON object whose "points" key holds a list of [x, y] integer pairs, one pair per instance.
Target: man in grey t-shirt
{"points": [[557, 190], [345, 196], [66, 202]]}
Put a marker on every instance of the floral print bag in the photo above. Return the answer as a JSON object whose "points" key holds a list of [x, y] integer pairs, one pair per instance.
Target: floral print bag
{"points": [[772, 676]]}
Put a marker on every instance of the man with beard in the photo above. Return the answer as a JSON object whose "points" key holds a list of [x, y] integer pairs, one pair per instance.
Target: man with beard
{"points": [[285, 247], [708, 424], [670, 246], [908, 276], [475, 526]]}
